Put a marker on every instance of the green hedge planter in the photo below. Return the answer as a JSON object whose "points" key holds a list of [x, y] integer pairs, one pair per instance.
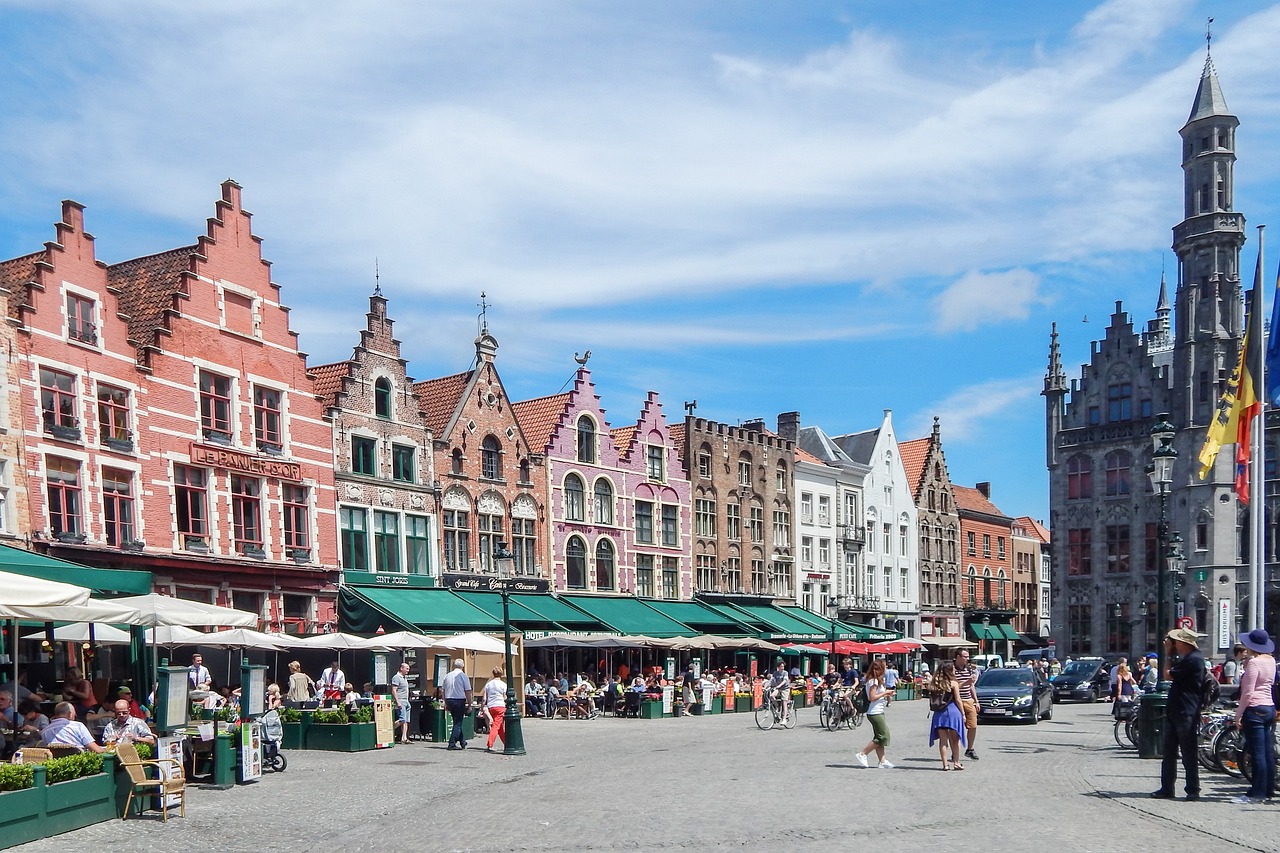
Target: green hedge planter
{"points": [[651, 711], [743, 704], [44, 810], [348, 737], [716, 706]]}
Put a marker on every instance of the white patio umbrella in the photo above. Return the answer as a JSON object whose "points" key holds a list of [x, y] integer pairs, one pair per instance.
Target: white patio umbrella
{"points": [[241, 638], [93, 610], [397, 640], [159, 609], [78, 632], [473, 642], [174, 635], [337, 641], [24, 591]]}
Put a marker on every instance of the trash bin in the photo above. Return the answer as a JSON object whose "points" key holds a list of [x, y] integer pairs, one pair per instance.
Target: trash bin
{"points": [[1151, 708]]}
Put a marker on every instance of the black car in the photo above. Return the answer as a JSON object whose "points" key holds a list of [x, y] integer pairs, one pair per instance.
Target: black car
{"points": [[1083, 679], [1014, 693]]}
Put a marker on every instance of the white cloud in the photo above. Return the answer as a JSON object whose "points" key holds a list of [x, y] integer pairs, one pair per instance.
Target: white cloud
{"points": [[966, 414], [977, 299]]}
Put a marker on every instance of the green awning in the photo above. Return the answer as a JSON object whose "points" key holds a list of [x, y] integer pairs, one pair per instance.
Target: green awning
{"points": [[101, 581], [701, 618], [844, 630], [991, 632], [777, 625], [628, 615], [535, 612], [1007, 630], [362, 610]]}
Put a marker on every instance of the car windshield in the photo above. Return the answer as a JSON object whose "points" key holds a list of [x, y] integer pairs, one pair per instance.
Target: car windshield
{"points": [[1080, 667], [1006, 678]]}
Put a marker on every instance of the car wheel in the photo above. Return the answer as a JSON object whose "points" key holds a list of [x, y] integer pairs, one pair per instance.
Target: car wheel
{"points": [[1092, 697], [1048, 712]]}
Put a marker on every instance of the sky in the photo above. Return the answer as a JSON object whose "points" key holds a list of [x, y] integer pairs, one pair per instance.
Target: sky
{"points": [[834, 207]]}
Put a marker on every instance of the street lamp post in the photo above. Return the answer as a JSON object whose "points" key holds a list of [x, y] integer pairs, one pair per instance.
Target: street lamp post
{"points": [[1163, 455], [513, 736], [833, 610], [1117, 613], [982, 641]]}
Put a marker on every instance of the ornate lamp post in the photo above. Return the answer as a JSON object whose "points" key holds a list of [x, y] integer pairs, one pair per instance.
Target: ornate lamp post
{"points": [[513, 739], [982, 641], [833, 610], [1117, 613], [1161, 473]]}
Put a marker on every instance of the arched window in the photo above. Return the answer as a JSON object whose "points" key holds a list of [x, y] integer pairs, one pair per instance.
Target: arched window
{"points": [[575, 564], [781, 478], [1079, 477], [490, 458], [574, 499], [1118, 463], [586, 440], [604, 564], [524, 471], [973, 587], [744, 469], [382, 397], [604, 502], [455, 466]]}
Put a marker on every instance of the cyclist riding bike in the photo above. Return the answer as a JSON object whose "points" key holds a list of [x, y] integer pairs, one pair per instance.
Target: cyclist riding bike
{"points": [[780, 687]]}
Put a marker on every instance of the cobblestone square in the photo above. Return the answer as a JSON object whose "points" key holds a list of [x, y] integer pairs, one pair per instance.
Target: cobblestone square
{"points": [[713, 782]]}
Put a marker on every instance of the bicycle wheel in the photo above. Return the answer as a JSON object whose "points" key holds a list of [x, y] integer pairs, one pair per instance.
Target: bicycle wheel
{"points": [[834, 719], [824, 713], [856, 719], [1227, 747], [789, 721], [1117, 731], [1131, 731], [765, 716]]}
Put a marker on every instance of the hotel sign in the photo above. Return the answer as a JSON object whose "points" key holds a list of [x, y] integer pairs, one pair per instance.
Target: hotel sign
{"points": [[244, 463], [492, 583]]}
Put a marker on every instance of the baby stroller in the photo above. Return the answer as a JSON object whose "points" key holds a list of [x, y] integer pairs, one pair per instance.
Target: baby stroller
{"points": [[272, 731]]}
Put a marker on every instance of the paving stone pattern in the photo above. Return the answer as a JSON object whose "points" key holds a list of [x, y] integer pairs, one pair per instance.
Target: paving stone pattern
{"points": [[711, 783]]}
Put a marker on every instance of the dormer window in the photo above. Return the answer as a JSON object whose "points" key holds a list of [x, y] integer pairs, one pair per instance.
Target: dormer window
{"points": [[80, 320], [382, 398], [586, 440]]}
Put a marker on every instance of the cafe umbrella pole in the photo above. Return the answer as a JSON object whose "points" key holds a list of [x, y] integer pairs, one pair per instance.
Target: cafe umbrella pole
{"points": [[513, 736]]}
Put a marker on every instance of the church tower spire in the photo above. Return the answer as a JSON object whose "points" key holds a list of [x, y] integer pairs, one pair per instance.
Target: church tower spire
{"points": [[1055, 396], [1209, 315]]}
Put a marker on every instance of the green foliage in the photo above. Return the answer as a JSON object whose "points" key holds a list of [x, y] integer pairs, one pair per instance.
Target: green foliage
{"points": [[290, 715], [15, 777], [73, 767], [227, 713], [145, 751], [363, 714], [335, 717]]}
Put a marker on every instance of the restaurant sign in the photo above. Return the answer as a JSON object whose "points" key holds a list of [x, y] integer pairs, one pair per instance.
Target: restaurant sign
{"points": [[493, 583], [244, 463]]}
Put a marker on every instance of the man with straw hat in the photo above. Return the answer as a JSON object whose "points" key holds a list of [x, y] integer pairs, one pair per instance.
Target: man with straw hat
{"points": [[1182, 713]]}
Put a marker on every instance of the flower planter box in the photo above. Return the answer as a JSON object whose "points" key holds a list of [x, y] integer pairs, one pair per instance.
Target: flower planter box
{"points": [[716, 706], [742, 703], [797, 699], [342, 737], [44, 810], [651, 710], [295, 734]]}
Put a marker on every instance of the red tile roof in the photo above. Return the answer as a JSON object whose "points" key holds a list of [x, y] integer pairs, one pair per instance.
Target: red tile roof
{"points": [[328, 379], [1034, 527], [14, 275], [622, 438], [678, 436], [914, 453], [538, 418], [439, 399], [974, 501], [149, 288], [803, 455]]}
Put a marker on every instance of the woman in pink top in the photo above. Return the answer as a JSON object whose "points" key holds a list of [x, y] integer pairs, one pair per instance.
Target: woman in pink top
{"points": [[1256, 714]]}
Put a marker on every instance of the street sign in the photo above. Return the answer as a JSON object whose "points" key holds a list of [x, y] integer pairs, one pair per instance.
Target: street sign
{"points": [[1186, 622], [1202, 575]]}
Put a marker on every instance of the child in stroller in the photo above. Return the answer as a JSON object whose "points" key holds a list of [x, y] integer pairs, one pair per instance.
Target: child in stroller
{"points": [[272, 732]]}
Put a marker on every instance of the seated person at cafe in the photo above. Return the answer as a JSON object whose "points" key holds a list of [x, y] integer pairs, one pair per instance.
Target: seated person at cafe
{"points": [[584, 701], [65, 730], [96, 720], [78, 690], [534, 700], [135, 710], [126, 728], [31, 723], [8, 715]]}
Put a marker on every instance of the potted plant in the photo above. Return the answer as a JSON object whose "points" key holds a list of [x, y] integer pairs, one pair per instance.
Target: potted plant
{"points": [[40, 800], [743, 701], [337, 731], [295, 724]]}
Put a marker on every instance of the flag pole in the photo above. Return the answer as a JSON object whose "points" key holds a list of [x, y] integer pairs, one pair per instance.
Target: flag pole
{"points": [[1257, 488]]}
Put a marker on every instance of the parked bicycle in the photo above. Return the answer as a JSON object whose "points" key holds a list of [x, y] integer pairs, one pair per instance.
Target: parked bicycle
{"points": [[844, 712]]}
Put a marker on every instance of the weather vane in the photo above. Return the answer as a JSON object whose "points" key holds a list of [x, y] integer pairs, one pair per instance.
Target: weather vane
{"points": [[484, 307], [377, 279], [1208, 35]]}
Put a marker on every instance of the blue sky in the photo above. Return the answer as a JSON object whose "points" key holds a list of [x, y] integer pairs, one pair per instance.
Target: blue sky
{"points": [[830, 207]]}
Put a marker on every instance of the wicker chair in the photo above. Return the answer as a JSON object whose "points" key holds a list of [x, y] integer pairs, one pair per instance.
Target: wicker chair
{"points": [[60, 750], [141, 784], [35, 754]]}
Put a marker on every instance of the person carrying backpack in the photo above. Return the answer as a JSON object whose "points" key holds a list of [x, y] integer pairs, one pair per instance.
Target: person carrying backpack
{"points": [[1182, 713]]}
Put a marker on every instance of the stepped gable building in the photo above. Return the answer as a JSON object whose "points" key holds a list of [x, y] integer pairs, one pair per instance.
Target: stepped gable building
{"points": [[1032, 580], [170, 423], [618, 500], [1103, 514], [939, 521], [742, 477], [891, 556], [14, 516], [383, 457], [492, 483], [986, 554]]}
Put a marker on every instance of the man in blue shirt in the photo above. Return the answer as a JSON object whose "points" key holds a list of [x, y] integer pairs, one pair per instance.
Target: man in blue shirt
{"points": [[1182, 714]]}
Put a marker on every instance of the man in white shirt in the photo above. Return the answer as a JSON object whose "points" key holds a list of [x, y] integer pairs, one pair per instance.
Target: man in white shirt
{"points": [[198, 678], [457, 699], [125, 728], [64, 730], [332, 683], [400, 688]]}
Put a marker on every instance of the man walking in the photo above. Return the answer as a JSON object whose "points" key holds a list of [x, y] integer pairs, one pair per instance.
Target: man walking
{"points": [[966, 677], [1182, 713], [400, 688], [457, 699]]}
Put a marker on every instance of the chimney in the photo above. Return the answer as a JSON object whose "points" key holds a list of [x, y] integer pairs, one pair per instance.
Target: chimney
{"points": [[985, 489], [789, 425], [754, 425]]}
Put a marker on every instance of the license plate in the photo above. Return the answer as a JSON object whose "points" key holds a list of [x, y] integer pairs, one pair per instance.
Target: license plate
{"points": [[997, 711]]}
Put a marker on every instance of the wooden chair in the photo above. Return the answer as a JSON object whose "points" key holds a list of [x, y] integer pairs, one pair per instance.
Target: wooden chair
{"points": [[142, 784], [35, 755], [59, 750]]}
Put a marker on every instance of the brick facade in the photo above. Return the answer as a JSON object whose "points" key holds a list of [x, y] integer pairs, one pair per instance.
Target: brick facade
{"points": [[177, 365], [986, 556], [384, 467], [939, 522], [14, 514]]}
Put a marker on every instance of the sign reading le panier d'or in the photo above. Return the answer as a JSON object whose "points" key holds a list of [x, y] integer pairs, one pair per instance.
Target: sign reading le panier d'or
{"points": [[491, 583], [244, 463]]}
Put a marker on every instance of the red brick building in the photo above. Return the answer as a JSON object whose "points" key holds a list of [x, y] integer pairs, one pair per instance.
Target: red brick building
{"points": [[986, 560], [492, 482], [169, 421]]}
